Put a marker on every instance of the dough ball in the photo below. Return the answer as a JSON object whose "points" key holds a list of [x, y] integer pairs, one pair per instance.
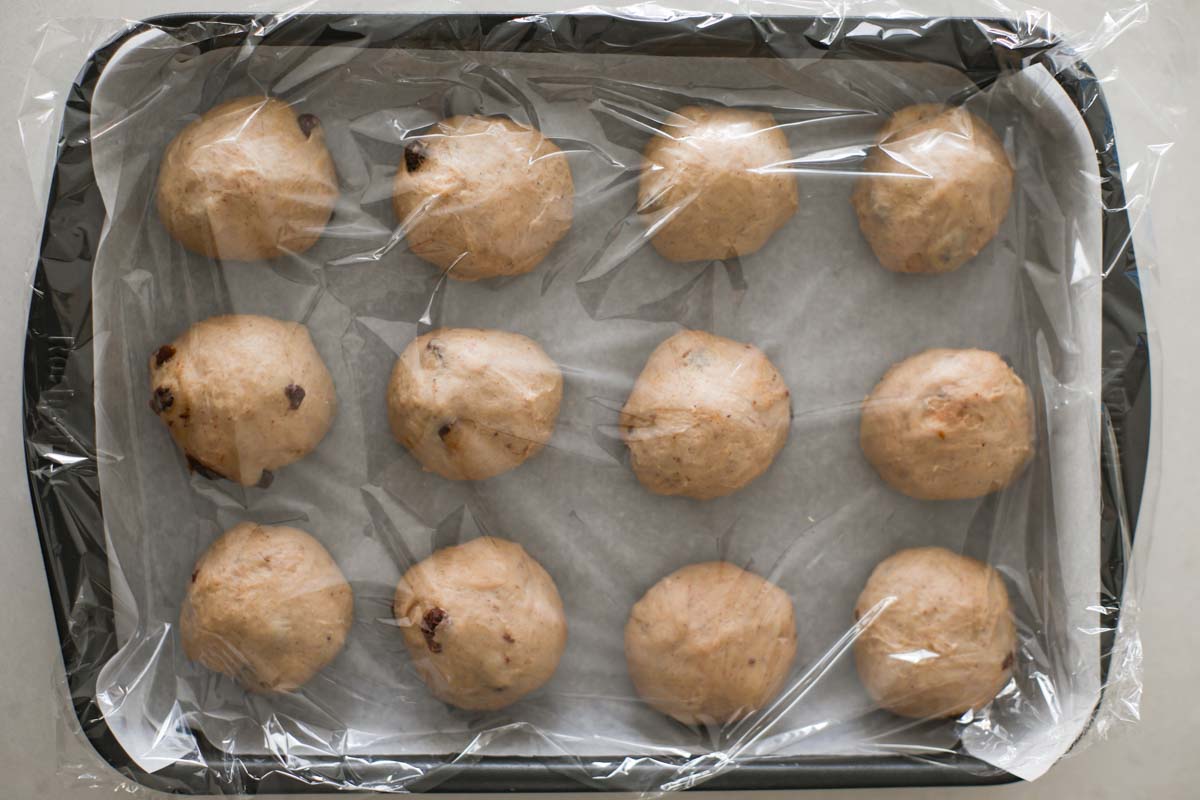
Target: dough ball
{"points": [[935, 190], [248, 180], [945, 643], [483, 623], [706, 416], [714, 184], [470, 404], [710, 643], [948, 425], [483, 197], [242, 395], [267, 606]]}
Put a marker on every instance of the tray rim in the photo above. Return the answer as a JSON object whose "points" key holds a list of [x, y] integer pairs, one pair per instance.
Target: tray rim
{"points": [[486, 774]]}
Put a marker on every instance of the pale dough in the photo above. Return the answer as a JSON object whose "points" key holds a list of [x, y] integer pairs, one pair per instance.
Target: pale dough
{"points": [[706, 417], [948, 425], [935, 189], [248, 180], [267, 606], [482, 197], [715, 183], [944, 640], [470, 404], [483, 622], [710, 643], [243, 395]]}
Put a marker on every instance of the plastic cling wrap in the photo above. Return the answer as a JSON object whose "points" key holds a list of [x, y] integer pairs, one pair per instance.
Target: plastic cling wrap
{"points": [[397, 197]]}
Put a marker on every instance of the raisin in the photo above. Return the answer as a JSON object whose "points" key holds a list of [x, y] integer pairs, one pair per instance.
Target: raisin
{"points": [[295, 395], [752, 661], [429, 623], [414, 156], [1008, 661], [508, 637], [308, 123], [161, 400], [265, 480], [444, 431], [195, 573], [163, 355]]}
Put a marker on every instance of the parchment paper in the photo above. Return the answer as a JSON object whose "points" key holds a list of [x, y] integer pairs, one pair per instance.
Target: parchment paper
{"points": [[814, 299]]}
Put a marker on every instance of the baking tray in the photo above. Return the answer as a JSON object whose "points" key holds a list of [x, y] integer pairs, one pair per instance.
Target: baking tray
{"points": [[59, 413]]}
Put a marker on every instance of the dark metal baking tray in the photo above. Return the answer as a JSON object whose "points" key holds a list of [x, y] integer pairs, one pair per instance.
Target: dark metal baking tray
{"points": [[59, 414]]}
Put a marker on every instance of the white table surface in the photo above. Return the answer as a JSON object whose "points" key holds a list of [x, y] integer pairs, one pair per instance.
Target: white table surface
{"points": [[1154, 759]]}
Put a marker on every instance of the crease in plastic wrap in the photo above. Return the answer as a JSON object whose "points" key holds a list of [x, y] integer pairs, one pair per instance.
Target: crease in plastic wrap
{"points": [[809, 293]]}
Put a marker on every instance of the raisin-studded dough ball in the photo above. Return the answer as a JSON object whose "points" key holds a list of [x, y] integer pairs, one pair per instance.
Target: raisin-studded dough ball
{"points": [[935, 190], [706, 416], [242, 395], [710, 643], [248, 180], [945, 643], [267, 606], [470, 404], [715, 184], [483, 197], [948, 425], [483, 623]]}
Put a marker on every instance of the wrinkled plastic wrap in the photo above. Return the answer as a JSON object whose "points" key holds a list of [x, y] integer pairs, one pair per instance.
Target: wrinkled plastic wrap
{"points": [[1057, 293]]}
